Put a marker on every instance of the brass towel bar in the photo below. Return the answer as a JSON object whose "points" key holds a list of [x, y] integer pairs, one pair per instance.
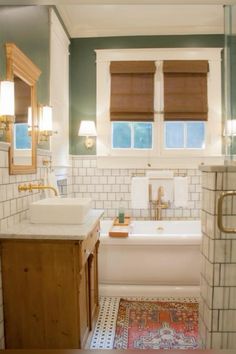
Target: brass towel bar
{"points": [[229, 230]]}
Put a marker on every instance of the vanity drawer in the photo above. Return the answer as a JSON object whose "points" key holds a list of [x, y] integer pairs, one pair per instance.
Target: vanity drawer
{"points": [[87, 245]]}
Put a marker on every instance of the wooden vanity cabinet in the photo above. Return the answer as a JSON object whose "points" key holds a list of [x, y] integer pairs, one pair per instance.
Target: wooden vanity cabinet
{"points": [[50, 292], [93, 281], [83, 301]]}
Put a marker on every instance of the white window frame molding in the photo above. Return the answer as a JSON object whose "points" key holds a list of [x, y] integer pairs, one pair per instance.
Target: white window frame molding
{"points": [[158, 156], [59, 95]]}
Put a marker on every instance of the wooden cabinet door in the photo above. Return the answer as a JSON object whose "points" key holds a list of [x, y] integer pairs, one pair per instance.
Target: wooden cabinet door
{"points": [[84, 316], [40, 295], [93, 283]]}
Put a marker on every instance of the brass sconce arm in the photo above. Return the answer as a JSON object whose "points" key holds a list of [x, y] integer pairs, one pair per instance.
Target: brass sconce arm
{"points": [[5, 122]]}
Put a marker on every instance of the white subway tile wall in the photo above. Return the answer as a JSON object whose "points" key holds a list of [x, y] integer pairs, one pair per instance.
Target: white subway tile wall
{"points": [[218, 264], [107, 187]]}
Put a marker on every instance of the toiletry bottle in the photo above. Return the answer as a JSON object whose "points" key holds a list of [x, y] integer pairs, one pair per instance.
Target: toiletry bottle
{"points": [[121, 213]]}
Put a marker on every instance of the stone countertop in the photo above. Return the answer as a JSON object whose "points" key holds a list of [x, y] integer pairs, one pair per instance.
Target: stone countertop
{"points": [[27, 230]]}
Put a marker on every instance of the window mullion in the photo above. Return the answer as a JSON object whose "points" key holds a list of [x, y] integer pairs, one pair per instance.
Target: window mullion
{"points": [[185, 135], [132, 135]]}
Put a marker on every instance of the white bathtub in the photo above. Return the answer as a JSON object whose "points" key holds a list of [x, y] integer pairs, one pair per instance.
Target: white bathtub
{"points": [[156, 256]]}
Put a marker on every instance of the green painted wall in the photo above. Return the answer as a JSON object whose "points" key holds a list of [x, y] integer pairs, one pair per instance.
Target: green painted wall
{"points": [[83, 72], [28, 28]]}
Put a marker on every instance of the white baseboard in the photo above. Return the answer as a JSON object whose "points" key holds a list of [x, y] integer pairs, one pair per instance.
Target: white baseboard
{"points": [[148, 290]]}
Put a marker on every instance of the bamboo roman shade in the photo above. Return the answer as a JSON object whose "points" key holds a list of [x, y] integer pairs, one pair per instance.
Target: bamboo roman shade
{"points": [[185, 89], [132, 90]]}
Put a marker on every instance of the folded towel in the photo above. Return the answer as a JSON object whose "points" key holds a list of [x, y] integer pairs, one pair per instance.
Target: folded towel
{"points": [[180, 191], [139, 193]]}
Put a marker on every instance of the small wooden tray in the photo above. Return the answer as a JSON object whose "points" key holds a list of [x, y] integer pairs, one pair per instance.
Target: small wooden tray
{"points": [[119, 233], [125, 223], [120, 230]]}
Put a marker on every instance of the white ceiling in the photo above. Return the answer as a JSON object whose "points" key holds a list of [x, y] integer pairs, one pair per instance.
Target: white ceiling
{"points": [[117, 2], [102, 20]]}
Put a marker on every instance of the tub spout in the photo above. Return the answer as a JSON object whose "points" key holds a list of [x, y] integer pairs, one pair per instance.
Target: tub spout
{"points": [[31, 186]]}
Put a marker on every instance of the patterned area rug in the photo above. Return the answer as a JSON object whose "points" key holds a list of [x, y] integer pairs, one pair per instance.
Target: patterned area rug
{"points": [[105, 329], [156, 325]]}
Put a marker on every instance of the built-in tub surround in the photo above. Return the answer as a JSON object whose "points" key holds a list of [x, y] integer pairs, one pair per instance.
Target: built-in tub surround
{"points": [[107, 186], [155, 253], [218, 261]]}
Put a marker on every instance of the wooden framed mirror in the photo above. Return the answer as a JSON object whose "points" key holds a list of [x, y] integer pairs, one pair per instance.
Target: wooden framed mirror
{"points": [[22, 138]]}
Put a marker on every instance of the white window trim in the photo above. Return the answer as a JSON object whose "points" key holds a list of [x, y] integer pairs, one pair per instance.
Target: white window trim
{"points": [[158, 154]]}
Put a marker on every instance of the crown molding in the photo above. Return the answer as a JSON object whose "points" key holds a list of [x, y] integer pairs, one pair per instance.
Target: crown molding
{"points": [[148, 31]]}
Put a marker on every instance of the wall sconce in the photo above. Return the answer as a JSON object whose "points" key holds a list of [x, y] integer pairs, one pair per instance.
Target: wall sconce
{"points": [[88, 129], [45, 123], [7, 104]]}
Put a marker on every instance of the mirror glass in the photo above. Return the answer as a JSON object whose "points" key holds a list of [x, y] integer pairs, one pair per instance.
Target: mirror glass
{"points": [[22, 135], [22, 139]]}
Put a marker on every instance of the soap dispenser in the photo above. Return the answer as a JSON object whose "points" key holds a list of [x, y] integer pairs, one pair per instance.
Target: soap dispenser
{"points": [[121, 212]]}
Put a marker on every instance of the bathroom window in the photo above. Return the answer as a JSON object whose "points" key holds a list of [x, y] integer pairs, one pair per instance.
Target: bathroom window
{"points": [[131, 135], [185, 103], [189, 132], [21, 136], [184, 135], [132, 104]]}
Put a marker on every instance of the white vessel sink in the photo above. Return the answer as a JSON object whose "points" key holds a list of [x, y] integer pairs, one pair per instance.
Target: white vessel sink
{"points": [[60, 210]]}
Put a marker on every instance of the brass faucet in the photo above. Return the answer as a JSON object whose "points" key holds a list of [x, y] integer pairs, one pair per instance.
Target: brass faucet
{"points": [[158, 204], [30, 187]]}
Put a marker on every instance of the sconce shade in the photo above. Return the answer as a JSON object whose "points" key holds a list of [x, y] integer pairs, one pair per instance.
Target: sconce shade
{"points": [[87, 128], [7, 98], [45, 123]]}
